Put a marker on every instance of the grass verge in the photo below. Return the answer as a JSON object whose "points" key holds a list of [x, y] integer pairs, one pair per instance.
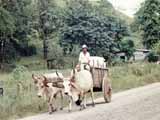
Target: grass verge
{"points": [[20, 98]]}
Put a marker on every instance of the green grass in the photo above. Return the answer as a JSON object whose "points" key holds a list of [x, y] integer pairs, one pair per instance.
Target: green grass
{"points": [[35, 63], [32, 63], [20, 98], [134, 75]]}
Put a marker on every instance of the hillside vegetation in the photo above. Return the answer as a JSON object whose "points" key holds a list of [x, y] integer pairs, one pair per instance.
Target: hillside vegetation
{"points": [[52, 29]]}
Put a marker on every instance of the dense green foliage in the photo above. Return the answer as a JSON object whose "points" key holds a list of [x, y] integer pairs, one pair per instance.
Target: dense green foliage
{"points": [[15, 28], [156, 48], [87, 25], [29, 27], [148, 20], [49, 23], [7, 27], [152, 57], [127, 46]]}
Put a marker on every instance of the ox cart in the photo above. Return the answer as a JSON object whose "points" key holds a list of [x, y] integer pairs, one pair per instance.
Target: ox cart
{"points": [[102, 82]]}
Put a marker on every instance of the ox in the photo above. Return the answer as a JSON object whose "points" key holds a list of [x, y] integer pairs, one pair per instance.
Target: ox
{"points": [[77, 86], [46, 89]]}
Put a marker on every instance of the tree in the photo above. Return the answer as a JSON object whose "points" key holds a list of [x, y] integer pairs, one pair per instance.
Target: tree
{"points": [[148, 18], [102, 33], [156, 48], [7, 27], [22, 17], [15, 27], [127, 46], [49, 22]]}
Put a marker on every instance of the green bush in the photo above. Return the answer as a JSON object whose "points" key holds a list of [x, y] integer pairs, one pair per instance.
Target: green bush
{"points": [[152, 57], [19, 72], [156, 48], [56, 53]]}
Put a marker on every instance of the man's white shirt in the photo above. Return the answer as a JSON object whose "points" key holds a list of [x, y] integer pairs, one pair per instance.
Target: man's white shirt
{"points": [[84, 58]]}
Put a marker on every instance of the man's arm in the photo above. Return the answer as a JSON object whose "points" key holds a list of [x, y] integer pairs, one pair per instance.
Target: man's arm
{"points": [[88, 58], [80, 58]]}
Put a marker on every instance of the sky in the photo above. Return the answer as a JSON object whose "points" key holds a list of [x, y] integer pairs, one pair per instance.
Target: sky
{"points": [[128, 7]]}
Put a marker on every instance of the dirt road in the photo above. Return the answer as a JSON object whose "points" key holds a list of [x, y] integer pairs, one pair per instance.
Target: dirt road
{"points": [[136, 104]]}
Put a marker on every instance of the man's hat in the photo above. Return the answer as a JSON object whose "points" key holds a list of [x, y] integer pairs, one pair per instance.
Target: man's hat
{"points": [[84, 46]]}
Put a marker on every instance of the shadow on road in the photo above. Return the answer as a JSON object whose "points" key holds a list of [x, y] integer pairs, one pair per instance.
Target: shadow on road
{"points": [[96, 103]]}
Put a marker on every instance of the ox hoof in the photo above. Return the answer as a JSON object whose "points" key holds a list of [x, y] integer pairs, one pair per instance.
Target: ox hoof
{"points": [[54, 110], [78, 102], [50, 113], [82, 107], [93, 105], [69, 111]]}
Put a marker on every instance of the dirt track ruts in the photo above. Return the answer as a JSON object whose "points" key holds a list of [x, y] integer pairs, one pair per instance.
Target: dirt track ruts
{"points": [[141, 103]]}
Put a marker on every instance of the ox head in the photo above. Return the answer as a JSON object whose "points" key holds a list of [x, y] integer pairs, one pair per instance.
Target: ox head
{"points": [[41, 84], [71, 90]]}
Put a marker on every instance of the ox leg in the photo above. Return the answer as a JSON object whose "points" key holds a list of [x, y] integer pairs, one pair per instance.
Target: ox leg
{"points": [[84, 101], [70, 104], [51, 107], [83, 105], [61, 95], [92, 96]]}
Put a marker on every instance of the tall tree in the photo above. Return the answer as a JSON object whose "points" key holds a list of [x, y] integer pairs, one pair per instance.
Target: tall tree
{"points": [[22, 15], [102, 33], [15, 27], [7, 28], [148, 18], [48, 21]]}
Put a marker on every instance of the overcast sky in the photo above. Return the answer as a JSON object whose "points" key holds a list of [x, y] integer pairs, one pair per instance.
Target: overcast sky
{"points": [[129, 7]]}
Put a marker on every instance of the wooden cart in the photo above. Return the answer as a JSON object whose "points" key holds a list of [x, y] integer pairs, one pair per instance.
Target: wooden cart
{"points": [[102, 83]]}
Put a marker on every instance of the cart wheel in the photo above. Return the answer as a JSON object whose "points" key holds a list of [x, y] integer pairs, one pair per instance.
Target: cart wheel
{"points": [[107, 90]]}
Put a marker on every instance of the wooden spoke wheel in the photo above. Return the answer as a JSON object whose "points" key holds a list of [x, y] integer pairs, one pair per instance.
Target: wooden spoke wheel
{"points": [[107, 90]]}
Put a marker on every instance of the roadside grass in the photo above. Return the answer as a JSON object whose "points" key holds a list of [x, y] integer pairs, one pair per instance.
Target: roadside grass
{"points": [[20, 98], [133, 75], [32, 63], [36, 63]]}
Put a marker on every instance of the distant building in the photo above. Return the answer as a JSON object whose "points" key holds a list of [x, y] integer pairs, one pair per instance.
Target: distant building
{"points": [[122, 56], [140, 54]]}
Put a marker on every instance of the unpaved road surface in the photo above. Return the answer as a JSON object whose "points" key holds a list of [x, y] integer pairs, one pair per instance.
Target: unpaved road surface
{"points": [[136, 104]]}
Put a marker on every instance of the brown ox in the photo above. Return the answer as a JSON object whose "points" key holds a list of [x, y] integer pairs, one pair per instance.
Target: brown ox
{"points": [[46, 89]]}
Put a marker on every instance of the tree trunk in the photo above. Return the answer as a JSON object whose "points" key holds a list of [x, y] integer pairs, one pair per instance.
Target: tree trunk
{"points": [[2, 43], [43, 6], [45, 47]]}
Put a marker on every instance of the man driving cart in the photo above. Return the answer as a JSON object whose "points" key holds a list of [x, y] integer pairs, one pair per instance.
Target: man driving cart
{"points": [[84, 58]]}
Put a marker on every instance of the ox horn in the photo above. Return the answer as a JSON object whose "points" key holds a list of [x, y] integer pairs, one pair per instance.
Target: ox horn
{"points": [[45, 81], [74, 71], [33, 76], [57, 73], [59, 78]]}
